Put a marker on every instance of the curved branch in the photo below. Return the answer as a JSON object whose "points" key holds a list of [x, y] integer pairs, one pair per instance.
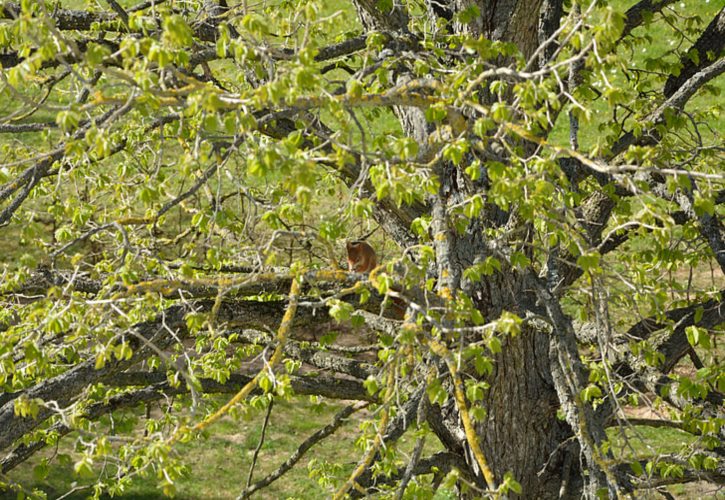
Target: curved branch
{"points": [[676, 101], [635, 15], [338, 421], [707, 48]]}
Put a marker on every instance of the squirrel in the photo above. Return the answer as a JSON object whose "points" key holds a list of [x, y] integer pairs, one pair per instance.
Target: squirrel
{"points": [[361, 257]]}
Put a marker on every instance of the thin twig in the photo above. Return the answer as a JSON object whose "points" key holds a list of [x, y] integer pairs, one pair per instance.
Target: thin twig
{"points": [[417, 451], [203, 179], [308, 443], [261, 441]]}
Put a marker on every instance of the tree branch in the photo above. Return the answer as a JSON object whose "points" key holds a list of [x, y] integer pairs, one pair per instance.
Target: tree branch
{"points": [[713, 314], [440, 463], [338, 421], [33, 175], [374, 16], [270, 405], [64, 387], [155, 386], [145, 395], [570, 377], [686, 474], [676, 101], [65, 19], [635, 15], [708, 48]]}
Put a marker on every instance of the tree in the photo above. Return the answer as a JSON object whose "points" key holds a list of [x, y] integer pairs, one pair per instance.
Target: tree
{"points": [[179, 178]]}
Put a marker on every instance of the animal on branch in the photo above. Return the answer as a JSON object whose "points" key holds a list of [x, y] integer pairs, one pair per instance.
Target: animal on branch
{"points": [[361, 257]]}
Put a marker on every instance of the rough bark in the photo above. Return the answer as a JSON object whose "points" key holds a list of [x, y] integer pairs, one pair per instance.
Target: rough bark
{"points": [[521, 385], [708, 48]]}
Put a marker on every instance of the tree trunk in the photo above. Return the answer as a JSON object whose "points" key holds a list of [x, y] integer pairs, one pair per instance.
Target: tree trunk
{"points": [[522, 434]]}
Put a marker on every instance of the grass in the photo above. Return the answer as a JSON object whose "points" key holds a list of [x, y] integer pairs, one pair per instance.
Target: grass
{"points": [[658, 48], [643, 442], [218, 465]]}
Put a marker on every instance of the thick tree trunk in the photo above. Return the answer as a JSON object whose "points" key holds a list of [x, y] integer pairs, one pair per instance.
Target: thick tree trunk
{"points": [[522, 434]]}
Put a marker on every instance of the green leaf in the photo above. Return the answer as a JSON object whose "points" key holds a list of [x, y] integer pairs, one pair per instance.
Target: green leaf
{"points": [[698, 336], [589, 262], [67, 120], [371, 384], [177, 32], [520, 260], [96, 53], [354, 88], [704, 205], [591, 392], [436, 393], [84, 467], [636, 468], [339, 310]]}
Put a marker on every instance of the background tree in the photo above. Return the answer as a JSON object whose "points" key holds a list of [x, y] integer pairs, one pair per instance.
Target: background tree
{"points": [[179, 179]]}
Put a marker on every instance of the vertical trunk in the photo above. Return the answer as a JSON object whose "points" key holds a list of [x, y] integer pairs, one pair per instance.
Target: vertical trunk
{"points": [[514, 21], [522, 434]]}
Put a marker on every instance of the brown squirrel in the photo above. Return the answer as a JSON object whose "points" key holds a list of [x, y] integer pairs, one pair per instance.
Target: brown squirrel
{"points": [[361, 257]]}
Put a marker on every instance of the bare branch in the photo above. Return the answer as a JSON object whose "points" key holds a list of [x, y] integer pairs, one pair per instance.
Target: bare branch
{"points": [[65, 19], [316, 384], [270, 405], [6, 128], [122, 14], [338, 421], [654, 422]]}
